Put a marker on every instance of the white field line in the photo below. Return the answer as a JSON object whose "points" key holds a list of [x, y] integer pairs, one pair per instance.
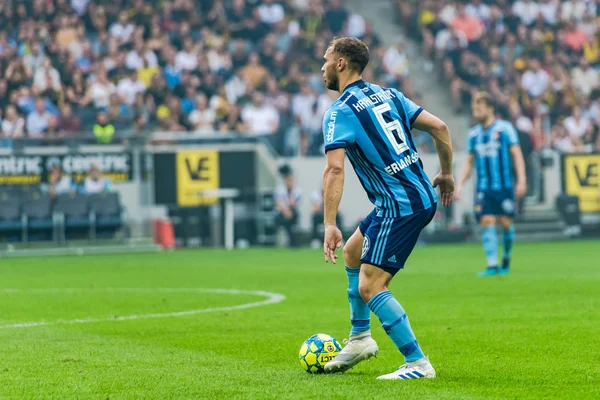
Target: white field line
{"points": [[272, 298]]}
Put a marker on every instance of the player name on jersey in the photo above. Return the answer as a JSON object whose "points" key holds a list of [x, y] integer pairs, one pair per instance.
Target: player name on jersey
{"points": [[398, 166], [374, 99]]}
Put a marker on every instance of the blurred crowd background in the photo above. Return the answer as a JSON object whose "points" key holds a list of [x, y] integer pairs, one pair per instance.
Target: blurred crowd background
{"points": [[117, 69], [539, 59]]}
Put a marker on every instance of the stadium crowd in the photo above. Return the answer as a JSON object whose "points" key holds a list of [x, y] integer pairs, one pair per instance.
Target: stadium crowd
{"points": [[126, 67], [539, 59]]}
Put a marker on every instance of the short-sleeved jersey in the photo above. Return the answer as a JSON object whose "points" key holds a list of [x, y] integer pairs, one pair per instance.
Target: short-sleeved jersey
{"points": [[491, 148], [373, 124]]}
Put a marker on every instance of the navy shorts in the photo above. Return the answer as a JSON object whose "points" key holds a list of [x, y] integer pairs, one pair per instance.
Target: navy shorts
{"points": [[495, 202], [389, 241]]}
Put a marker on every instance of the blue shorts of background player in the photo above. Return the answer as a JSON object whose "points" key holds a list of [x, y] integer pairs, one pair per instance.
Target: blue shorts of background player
{"points": [[388, 242], [495, 202]]}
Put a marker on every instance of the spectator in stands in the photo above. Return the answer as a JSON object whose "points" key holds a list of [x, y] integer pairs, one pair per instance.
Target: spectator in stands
{"points": [[103, 130], [128, 88], [47, 79], [59, 182], [232, 120], [75, 90], [202, 118], [561, 140], [535, 80], [527, 10], [574, 37], [123, 29], [140, 56], [470, 25], [35, 58], [585, 79], [99, 92], [287, 202], [13, 125], [260, 118], [271, 12], [69, 124], [254, 72], [395, 62], [186, 58], [17, 73], [37, 120], [335, 17], [95, 183], [576, 124]]}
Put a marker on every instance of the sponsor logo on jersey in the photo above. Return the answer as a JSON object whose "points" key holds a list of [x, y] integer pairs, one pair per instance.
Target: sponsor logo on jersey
{"points": [[331, 126]]}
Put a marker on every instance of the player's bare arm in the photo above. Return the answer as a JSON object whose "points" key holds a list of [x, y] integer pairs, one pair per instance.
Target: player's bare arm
{"points": [[519, 163], [443, 144], [333, 186], [464, 176]]}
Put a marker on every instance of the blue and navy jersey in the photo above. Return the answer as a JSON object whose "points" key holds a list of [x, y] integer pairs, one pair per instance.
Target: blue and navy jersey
{"points": [[373, 124], [491, 148]]}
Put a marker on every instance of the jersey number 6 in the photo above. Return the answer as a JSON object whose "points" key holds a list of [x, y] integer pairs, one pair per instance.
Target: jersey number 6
{"points": [[397, 140]]}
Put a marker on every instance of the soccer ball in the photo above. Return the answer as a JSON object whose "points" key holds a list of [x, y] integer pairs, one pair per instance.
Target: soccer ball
{"points": [[317, 351]]}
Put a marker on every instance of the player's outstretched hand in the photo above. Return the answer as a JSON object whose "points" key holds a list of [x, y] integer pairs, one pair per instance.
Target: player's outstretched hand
{"points": [[333, 241], [446, 184]]}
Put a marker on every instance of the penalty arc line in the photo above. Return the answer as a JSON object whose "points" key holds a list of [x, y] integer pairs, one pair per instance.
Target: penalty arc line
{"points": [[272, 298]]}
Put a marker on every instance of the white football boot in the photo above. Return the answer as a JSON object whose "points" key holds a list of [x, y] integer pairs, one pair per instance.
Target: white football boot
{"points": [[413, 370], [358, 348]]}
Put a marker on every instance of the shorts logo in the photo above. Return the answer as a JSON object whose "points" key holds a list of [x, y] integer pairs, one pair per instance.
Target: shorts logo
{"points": [[365, 248], [508, 206], [480, 196]]}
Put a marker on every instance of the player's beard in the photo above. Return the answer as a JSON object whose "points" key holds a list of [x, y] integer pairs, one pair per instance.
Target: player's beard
{"points": [[333, 83]]}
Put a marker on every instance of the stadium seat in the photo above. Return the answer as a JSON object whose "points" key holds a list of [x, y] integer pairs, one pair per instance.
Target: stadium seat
{"points": [[75, 215], [107, 211], [11, 220], [28, 192], [37, 210]]}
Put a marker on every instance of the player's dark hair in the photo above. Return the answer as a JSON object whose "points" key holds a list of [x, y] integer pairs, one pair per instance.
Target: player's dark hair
{"points": [[353, 50], [485, 98]]}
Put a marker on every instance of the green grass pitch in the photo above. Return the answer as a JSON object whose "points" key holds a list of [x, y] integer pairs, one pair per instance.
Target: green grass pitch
{"points": [[532, 334]]}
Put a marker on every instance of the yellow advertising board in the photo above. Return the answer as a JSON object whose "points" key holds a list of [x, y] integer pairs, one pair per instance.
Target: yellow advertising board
{"points": [[197, 170], [581, 174]]}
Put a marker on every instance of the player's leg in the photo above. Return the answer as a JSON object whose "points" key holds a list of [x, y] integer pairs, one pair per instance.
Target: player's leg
{"points": [[393, 243], [508, 237], [359, 312], [489, 240], [487, 207], [360, 346]]}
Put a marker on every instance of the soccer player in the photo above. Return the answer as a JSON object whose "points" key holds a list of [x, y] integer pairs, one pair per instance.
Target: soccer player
{"points": [[372, 126], [494, 150]]}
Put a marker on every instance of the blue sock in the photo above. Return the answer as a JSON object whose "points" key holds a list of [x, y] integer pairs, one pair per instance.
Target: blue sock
{"points": [[490, 245], [396, 325], [360, 314], [508, 237]]}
